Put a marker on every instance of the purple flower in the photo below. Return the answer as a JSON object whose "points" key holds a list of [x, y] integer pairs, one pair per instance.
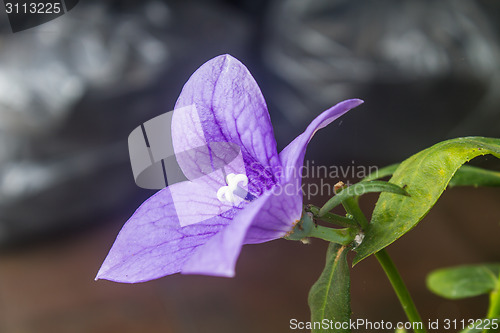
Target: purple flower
{"points": [[199, 226]]}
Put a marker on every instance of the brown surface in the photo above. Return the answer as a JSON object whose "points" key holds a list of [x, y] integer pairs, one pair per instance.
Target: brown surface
{"points": [[50, 288]]}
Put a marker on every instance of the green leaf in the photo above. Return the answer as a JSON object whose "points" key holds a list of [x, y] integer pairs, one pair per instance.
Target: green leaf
{"points": [[467, 175], [359, 189], [329, 297], [424, 176], [473, 176], [464, 281]]}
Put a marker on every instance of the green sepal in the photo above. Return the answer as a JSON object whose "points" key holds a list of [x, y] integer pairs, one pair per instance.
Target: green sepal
{"points": [[303, 228]]}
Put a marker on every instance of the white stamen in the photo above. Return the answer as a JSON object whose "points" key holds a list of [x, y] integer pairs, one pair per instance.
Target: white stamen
{"points": [[228, 192]]}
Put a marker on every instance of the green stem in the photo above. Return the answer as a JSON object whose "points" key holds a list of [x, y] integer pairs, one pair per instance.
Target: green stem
{"points": [[400, 289], [332, 218], [352, 207], [494, 308], [339, 236]]}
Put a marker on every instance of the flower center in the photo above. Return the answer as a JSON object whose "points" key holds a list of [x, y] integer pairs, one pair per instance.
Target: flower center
{"points": [[229, 192]]}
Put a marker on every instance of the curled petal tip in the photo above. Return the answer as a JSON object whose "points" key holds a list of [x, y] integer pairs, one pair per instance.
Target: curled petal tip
{"points": [[354, 102]]}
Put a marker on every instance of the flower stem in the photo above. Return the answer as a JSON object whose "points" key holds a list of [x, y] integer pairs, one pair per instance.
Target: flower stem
{"points": [[352, 207], [400, 289]]}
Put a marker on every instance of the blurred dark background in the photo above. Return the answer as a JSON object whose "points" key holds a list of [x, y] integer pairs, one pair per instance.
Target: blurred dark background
{"points": [[72, 89]]}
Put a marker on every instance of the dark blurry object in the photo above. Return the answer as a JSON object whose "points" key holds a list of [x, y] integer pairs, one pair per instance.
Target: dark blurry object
{"points": [[59, 145], [72, 90], [28, 14], [427, 70]]}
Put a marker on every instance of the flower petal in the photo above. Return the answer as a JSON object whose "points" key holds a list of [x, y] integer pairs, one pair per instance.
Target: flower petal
{"points": [[152, 243], [198, 200], [230, 108], [277, 218], [262, 220], [292, 157]]}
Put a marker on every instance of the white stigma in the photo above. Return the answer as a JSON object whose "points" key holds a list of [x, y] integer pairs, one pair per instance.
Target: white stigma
{"points": [[228, 192]]}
